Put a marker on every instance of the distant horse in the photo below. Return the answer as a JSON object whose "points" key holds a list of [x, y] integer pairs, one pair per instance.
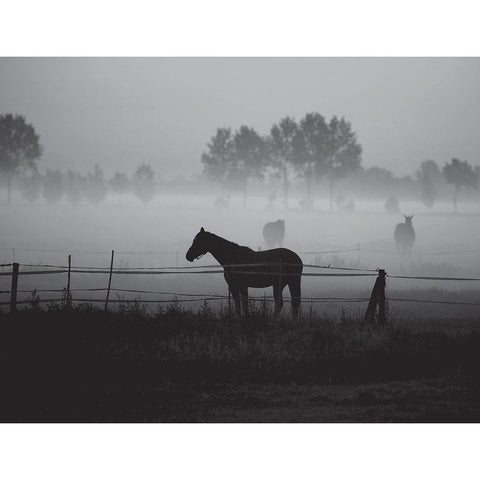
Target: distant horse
{"points": [[243, 268], [274, 233], [404, 235]]}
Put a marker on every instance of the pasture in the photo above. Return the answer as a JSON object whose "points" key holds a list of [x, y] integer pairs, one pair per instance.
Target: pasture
{"points": [[193, 361], [159, 234]]}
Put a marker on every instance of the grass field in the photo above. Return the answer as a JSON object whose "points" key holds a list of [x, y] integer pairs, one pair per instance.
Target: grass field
{"points": [[182, 366], [193, 362]]}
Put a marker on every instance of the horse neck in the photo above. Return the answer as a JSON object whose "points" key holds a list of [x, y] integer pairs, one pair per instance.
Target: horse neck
{"points": [[224, 251]]}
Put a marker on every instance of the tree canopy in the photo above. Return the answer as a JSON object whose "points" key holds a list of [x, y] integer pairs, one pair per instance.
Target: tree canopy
{"points": [[19, 146], [459, 173], [313, 148]]}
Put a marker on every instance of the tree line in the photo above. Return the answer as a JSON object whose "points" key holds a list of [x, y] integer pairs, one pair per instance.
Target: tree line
{"points": [[20, 151], [312, 148], [91, 187]]}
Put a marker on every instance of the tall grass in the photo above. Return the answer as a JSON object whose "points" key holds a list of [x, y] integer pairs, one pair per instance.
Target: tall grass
{"points": [[175, 344]]}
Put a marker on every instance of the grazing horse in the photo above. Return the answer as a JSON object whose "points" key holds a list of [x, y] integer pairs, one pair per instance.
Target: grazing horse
{"points": [[404, 235], [243, 268], [274, 233]]}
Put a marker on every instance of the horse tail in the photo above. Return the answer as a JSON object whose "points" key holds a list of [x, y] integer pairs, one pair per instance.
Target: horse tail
{"points": [[295, 293]]}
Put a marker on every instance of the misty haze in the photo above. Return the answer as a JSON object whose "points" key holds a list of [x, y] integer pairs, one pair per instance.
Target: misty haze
{"points": [[358, 166]]}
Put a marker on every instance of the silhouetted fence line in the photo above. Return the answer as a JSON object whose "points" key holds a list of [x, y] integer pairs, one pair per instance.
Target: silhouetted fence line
{"points": [[205, 270], [377, 298]]}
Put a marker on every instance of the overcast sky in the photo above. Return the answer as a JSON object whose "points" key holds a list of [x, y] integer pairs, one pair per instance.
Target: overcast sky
{"points": [[120, 112]]}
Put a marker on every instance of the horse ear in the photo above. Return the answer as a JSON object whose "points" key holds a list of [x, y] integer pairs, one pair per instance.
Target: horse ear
{"points": [[202, 230]]}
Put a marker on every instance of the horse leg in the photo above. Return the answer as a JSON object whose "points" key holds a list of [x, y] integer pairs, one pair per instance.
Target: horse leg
{"points": [[244, 297], [294, 286], [236, 299], [277, 295]]}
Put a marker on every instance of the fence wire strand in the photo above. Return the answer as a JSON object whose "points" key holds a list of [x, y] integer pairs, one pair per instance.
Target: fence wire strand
{"points": [[48, 269]]}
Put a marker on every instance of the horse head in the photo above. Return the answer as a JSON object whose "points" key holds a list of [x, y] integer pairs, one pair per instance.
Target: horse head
{"points": [[199, 246]]}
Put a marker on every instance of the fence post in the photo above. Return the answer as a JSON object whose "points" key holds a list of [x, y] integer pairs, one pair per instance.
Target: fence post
{"points": [[69, 296], [382, 317], [377, 297], [13, 289], [109, 281]]}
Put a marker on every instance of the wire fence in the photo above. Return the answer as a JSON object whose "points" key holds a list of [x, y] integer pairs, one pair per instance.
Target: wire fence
{"points": [[70, 293]]}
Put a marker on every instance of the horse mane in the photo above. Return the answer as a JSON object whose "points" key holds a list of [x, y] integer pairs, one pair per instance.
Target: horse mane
{"points": [[232, 244]]}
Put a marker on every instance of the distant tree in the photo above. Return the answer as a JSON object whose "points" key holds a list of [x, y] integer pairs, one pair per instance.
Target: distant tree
{"points": [[311, 150], [96, 187], [31, 185], [428, 176], [378, 175], [459, 173], [218, 161], [143, 183], [344, 152], [250, 156], [19, 147], [324, 149], [119, 183], [53, 186], [75, 185], [281, 150]]}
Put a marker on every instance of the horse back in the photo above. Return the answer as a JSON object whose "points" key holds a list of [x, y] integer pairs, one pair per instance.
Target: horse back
{"points": [[274, 232], [279, 256]]}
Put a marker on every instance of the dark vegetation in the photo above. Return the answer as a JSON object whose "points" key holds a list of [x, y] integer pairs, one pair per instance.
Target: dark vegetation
{"points": [[84, 364]]}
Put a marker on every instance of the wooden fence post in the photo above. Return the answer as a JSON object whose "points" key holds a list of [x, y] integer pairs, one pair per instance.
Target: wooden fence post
{"points": [[382, 316], [13, 289], [109, 281], [377, 298], [69, 295]]}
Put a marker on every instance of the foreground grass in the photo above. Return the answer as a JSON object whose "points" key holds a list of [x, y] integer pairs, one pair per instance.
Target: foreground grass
{"points": [[83, 364]]}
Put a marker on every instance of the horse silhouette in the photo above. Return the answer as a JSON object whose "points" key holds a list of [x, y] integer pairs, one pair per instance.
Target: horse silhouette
{"points": [[274, 233], [244, 267], [404, 235]]}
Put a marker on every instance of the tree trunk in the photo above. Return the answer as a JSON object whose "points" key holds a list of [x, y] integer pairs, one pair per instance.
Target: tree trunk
{"points": [[245, 193], [455, 196], [331, 185], [309, 188], [9, 189], [285, 186]]}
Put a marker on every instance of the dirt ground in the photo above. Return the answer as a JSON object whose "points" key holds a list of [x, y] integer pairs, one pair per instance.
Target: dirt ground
{"points": [[440, 400]]}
